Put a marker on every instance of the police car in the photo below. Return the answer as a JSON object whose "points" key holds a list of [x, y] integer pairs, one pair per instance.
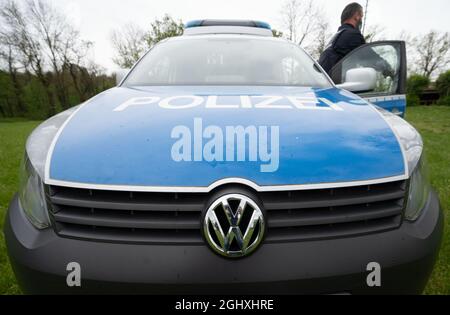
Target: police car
{"points": [[227, 161]]}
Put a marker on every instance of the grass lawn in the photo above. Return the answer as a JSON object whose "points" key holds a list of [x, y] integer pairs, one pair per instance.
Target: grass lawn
{"points": [[433, 123], [13, 134]]}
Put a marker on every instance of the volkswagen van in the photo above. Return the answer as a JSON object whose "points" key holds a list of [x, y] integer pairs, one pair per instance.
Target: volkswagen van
{"points": [[227, 161]]}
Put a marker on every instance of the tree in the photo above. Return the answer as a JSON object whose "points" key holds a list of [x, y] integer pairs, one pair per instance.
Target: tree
{"points": [[164, 28], [374, 33], [17, 28], [57, 36], [290, 18], [75, 63], [131, 41], [8, 54], [443, 86], [408, 38], [45, 58], [130, 44], [433, 52], [46, 43], [322, 38], [299, 18], [277, 33]]}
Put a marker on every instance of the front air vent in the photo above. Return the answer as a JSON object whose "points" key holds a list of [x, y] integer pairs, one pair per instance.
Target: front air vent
{"points": [[175, 218]]}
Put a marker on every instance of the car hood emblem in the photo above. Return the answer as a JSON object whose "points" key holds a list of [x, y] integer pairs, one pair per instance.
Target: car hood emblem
{"points": [[234, 226]]}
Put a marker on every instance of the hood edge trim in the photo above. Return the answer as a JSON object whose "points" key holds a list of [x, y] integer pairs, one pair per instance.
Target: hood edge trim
{"points": [[200, 189]]}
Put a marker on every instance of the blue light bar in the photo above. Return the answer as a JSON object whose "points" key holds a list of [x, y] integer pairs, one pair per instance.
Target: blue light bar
{"points": [[244, 23], [194, 23], [261, 24]]}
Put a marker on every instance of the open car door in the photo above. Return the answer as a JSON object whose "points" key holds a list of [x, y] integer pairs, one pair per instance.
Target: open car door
{"points": [[388, 58]]}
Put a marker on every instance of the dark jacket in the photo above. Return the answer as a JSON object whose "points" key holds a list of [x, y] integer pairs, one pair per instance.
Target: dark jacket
{"points": [[343, 42]]}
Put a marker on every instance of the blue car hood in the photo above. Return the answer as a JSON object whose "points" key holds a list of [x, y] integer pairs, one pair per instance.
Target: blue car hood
{"points": [[128, 136]]}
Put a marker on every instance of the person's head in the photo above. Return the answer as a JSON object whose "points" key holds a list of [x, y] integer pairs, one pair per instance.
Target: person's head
{"points": [[353, 14]]}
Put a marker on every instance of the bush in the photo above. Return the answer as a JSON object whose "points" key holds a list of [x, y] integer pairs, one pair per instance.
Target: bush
{"points": [[443, 86], [444, 101], [416, 84], [412, 100]]}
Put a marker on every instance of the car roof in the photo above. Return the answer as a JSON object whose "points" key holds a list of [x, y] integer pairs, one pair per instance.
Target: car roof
{"points": [[228, 36], [221, 29], [250, 27]]}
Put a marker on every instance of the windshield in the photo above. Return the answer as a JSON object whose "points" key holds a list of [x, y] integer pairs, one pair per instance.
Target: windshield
{"points": [[227, 61]]}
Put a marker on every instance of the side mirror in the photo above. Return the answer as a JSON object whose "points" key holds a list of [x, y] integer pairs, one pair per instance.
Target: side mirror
{"points": [[121, 74], [359, 80]]}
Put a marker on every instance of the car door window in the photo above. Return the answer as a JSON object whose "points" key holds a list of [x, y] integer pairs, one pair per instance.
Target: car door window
{"points": [[385, 57]]}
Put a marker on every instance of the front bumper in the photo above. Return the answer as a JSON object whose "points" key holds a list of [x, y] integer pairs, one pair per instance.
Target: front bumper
{"points": [[406, 255]]}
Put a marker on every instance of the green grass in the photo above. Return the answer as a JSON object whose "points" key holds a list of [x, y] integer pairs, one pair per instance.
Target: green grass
{"points": [[13, 134], [433, 123]]}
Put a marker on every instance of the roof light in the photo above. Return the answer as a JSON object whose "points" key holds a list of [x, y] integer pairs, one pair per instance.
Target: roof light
{"points": [[261, 24], [244, 23], [194, 23]]}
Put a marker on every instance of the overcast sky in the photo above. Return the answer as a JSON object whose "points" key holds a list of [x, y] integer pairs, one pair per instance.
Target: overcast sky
{"points": [[96, 18]]}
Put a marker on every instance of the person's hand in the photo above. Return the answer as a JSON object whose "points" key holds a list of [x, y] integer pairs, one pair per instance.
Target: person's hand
{"points": [[389, 72], [386, 69]]}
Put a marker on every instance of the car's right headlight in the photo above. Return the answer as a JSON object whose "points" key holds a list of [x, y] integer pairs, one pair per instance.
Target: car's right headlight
{"points": [[32, 173], [419, 184], [32, 196]]}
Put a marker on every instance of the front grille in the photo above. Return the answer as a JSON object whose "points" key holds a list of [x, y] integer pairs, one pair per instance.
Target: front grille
{"points": [[175, 218]]}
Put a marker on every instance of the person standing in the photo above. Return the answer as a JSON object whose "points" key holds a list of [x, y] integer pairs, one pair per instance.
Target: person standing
{"points": [[348, 37]]}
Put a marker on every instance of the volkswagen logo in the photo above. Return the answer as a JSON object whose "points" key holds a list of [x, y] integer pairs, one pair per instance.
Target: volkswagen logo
{"points": [[234, 226]]}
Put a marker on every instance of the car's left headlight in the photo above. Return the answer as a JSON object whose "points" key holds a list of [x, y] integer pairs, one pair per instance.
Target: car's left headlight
{"points": [[419, 190], [419, 184], [32, 196]]}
